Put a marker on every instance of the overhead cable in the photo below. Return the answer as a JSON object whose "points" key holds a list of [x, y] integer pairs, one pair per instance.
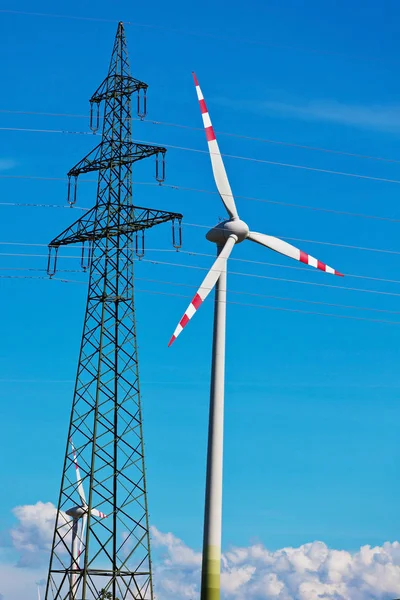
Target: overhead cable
{"points": [[235, 292], [202, 34], [234, 156], [254, 275], [199, 129], [274, 308], [195, 190]]}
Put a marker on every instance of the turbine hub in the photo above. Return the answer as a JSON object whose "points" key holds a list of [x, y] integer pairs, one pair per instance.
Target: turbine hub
{"points": [[220, 233], [76, 512]]}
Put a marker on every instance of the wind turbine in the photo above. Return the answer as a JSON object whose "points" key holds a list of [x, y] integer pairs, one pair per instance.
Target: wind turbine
{"points": [[225, 235], [77, 513]]}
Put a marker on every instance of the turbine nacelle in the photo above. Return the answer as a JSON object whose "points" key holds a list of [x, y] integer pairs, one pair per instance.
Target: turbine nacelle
{"points": [[76, 512], [221, 232]]}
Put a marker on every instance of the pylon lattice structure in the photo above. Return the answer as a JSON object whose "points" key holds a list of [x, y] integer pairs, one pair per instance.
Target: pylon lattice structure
{"points": [[103, 551]]}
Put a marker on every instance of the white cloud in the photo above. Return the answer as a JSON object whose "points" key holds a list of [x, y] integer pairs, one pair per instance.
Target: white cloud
{"points": [[33, 535], [234, 578], [177, 551], [309, 572], [177, 572], [378, 117]]}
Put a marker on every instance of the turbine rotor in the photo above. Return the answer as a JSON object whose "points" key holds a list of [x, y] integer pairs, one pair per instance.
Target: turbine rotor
{"points": [[221, 232]]}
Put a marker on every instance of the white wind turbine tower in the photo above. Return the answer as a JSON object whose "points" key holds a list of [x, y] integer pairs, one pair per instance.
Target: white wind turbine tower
{"points": [[78, 513], [225, 235]]}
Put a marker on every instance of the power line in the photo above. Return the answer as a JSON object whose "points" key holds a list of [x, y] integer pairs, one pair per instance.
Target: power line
{"points": [[232, 258], [193, 253], [64, 131], [275, 308], [38, 177], [269, 277], [37, 381], [193, 128], [257, 276], [38, 205], [284, 237], [195, 190], [52, 114], [292, 310], [273, 297], [281, 164], [236, 292], [185, 31], [234, 156], [56, 16], [270, 264]]}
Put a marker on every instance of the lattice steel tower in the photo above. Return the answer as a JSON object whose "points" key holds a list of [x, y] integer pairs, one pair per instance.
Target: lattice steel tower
{"points": [[101, 545]]}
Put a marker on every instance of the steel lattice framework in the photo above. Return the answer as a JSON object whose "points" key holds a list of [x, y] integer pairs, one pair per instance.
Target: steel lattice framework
{"points": [[106, 419]]}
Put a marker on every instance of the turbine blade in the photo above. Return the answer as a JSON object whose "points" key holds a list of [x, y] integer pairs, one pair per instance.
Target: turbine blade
{"points": [[38, 592], [82, 538], [81, 491], [286, 249], [208, 283], [97, 513], [220, 176]]}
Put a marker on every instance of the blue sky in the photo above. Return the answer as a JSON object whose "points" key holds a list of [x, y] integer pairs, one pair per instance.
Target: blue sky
{"points": [[311, 402]]}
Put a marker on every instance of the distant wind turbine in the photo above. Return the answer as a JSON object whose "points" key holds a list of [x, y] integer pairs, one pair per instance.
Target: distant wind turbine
{"points": [[226, 234], [77, 513]]}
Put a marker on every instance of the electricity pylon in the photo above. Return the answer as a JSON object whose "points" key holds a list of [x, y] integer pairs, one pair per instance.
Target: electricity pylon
{"points": [[103, 551]]}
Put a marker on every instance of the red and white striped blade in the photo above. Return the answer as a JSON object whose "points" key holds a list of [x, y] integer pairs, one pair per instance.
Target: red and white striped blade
{"points": [[98, 514], [286, 249], [220, 176], [81, 491], [208, 283]]}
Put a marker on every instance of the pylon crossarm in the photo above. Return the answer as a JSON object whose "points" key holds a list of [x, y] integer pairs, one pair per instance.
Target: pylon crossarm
{"points": [[114, 85], [78, 231], [96, 160], [135, 218]]}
